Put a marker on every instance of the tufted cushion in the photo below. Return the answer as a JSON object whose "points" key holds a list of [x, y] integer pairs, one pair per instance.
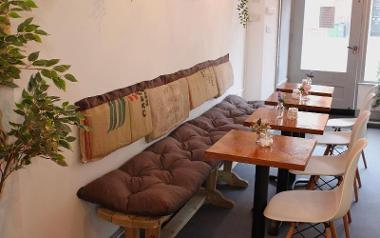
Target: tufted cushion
{"points": [[161, 179]]}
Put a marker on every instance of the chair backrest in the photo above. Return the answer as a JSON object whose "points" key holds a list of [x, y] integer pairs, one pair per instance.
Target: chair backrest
{"points": [[374, 89], [368, 102], [345, 192], [359, 130]]}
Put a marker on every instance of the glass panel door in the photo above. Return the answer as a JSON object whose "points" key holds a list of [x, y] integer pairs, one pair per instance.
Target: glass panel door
{"points": [[372, 65], [326, 35]]}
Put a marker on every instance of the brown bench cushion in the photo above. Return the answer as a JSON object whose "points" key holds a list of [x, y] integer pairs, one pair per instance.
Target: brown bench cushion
{"points": [[161, 179]]}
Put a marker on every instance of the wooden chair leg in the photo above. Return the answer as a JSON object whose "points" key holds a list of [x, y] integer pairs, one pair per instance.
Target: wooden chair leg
{"points": [[349, 216], [358, 178], [333, 230], [356, 191], [328, 150], [340, 180], [364, 159], [291, 230], [132, 233], [328, 231], [346, 226], [312, 182]]}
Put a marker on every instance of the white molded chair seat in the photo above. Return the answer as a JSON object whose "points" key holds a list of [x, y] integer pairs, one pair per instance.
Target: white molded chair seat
{"points": [[334, 138], [307, 206], [324, 166], [302, 205], [341, 122]]}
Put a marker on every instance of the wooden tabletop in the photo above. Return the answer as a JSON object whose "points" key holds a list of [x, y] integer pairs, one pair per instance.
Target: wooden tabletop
{"points": [[318, 90], [285, 153], [306, 122], [315, 103]]}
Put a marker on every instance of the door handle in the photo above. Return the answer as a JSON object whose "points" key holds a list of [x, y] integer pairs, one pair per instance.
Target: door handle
{"points": [[354, 49]]}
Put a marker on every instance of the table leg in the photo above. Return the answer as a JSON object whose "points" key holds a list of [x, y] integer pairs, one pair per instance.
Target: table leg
{"points": [[282, 185], [260, 201], [283, 180]]}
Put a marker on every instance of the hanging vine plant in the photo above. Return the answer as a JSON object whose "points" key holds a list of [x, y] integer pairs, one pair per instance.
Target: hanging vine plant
{"points": [[243, 12]]}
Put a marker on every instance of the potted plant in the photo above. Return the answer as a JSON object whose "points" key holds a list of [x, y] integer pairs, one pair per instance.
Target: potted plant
{"points": [[261, 128], [43, 125]]}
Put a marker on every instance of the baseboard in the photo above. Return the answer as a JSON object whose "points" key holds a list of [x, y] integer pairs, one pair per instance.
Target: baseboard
{"points": [[374, 124], [342, 112]]}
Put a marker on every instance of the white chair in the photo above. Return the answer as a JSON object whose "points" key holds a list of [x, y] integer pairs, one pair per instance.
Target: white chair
{"points": [[341, 123], [330, 165], [314, 206], [342, 138]]}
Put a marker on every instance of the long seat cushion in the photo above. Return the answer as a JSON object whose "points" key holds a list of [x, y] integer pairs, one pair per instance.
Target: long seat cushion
{"points": [[161, 179]]}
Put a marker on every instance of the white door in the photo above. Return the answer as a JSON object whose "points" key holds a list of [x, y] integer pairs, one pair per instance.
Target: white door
{"points": [[324, 40]]}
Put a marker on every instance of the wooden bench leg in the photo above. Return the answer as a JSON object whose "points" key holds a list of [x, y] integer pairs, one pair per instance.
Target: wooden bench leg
{"points": [[214, 196], [132, 233], [153, 233], [231, 178]]}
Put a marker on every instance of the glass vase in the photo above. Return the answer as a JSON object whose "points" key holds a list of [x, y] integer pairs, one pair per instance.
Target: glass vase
{"points": [[280, 110]]}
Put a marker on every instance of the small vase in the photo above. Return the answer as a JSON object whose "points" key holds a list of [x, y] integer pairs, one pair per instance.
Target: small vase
{"points": [[305, 98], [265, 139], [280, 110]]}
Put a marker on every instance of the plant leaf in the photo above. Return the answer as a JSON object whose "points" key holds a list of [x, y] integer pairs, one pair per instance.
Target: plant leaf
{"points": [[71, 78], [33, 56]]}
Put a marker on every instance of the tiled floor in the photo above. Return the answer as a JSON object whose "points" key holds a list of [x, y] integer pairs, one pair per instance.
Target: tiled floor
{"points": [[236, 223]]}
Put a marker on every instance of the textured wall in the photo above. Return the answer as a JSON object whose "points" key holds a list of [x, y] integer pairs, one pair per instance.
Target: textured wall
{"points": [[111, 44]]}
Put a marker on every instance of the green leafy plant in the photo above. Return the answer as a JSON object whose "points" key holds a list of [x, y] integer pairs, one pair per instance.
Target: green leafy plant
{"points": [[43, 128], [260, 126], [243, 12]]}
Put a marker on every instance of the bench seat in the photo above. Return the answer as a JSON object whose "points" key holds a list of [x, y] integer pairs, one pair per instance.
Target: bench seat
{"points": [[162, 178]]}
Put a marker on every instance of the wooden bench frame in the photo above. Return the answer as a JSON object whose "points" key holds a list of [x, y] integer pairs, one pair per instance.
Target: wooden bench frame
{"points": [[169, 226]]}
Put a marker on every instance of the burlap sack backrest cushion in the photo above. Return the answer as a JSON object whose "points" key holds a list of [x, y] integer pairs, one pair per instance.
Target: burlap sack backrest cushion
{"points": [[170, 105], [224, 76], [202, 86], [141, 118], [109, 129]]}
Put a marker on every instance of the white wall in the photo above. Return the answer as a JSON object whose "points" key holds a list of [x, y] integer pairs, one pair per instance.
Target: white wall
{"points": [[284, 41], [261, 51], [111, 44]]}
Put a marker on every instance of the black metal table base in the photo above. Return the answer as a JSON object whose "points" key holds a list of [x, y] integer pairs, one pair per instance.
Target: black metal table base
{"points": [[260, 200], [285, 182]]}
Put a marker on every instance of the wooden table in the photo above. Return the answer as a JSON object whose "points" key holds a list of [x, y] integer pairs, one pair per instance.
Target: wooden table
{"points": [[286, 153], [315, 103], [318, 90], [306, 122]]}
